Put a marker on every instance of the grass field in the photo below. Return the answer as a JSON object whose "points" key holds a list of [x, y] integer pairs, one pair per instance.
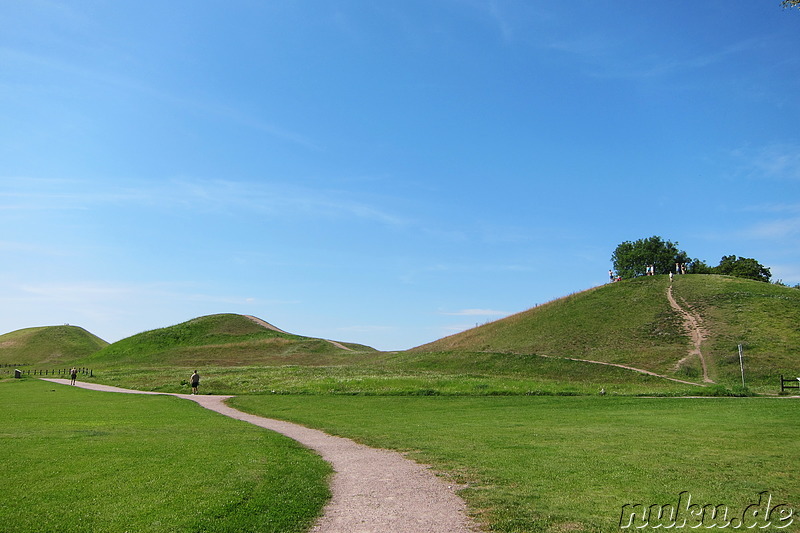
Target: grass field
{"points": [[550, 464], [414, 374], [82, 461], [77, 460]]}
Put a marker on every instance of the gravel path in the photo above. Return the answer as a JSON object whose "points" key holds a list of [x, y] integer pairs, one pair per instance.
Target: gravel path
{"points": [[374, 491]]}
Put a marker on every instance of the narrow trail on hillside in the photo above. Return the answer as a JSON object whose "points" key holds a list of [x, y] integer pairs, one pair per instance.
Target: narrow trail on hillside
{"points": [[267, 325], [693, 323], [374, 490], [626, 367]]}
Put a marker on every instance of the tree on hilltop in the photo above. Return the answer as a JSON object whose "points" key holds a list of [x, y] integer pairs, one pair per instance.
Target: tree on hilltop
{"points": [[698, 266], [631, 259], [743, 267], [791, 3]]}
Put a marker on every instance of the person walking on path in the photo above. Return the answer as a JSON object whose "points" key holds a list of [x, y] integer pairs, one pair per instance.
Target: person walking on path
{"points": [[73, 375], [195, 381]]}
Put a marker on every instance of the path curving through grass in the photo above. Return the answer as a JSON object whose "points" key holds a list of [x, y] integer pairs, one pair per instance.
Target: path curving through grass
{"points": [[373, 489], [626, 367], [693, 323]]}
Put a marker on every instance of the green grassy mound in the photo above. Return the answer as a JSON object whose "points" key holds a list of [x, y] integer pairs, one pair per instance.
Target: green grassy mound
{"points": [[224, 339], [632, 323], [48, 346]]}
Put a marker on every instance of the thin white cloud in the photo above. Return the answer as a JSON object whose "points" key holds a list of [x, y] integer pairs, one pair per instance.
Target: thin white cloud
{"points": [[779, 161], [209, 196], [34, 194], [80, 292], [776, 229], [279, 200], [672, 65], [113, 81], [86, 293], [608, 57], [501, 20]]}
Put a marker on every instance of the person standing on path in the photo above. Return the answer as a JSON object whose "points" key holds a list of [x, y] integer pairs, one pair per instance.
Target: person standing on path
{"points": [[195, 381], [73, 375]]}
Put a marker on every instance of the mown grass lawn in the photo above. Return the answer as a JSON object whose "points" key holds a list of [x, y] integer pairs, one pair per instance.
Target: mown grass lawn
{"points": [[77, 460], [484, 374], [83, 461], [546, 464]]}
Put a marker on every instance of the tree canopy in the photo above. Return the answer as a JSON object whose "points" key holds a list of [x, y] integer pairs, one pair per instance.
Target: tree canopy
{"points": [[791, 3], [631, 259], [742, 267]]}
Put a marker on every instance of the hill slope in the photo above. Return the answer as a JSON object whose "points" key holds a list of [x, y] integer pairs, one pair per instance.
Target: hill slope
{"points": [[48, 345], [632, 323], [224, 339]]}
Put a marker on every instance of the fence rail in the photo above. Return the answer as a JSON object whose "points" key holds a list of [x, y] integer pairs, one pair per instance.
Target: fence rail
{"points": [[48, 372], [794, 383]]}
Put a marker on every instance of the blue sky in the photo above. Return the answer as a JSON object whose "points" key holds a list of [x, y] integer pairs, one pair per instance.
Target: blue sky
{"points": [[385, 173]]}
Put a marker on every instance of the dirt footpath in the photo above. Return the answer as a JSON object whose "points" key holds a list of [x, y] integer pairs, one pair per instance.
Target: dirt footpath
{"points": [[374, 491], [693, 323]]}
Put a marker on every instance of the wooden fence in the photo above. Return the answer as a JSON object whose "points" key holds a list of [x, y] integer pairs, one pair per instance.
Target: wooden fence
{"points": [[48, 372], [793, 383]]}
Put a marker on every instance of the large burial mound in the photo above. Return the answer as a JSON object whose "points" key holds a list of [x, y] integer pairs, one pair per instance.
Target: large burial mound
{"points": [[224, 339], [635, 323], [48, 346]]}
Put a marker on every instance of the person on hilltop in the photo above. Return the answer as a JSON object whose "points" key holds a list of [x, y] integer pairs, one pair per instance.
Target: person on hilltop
{"points": [[195, 381], [73, 375]]}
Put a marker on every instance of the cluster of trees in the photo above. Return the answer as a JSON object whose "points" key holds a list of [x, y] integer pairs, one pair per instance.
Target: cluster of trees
{"points": [[631, 259]]}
